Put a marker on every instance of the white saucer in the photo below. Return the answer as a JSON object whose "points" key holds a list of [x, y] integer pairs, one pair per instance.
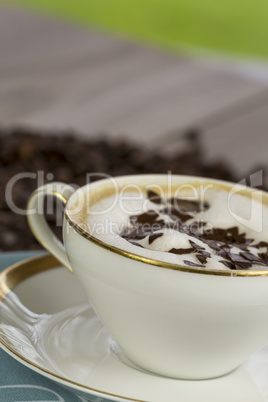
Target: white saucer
{"points": [[47, 324]]}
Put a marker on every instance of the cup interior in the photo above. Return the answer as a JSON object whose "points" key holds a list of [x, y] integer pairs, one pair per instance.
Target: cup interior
{"points": [[82, 202]]}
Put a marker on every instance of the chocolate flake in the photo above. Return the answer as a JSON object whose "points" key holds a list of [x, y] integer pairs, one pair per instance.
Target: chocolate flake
{"points": [[181, 250], [154, 197], [212, 244], [227, 264], [223, 252], [244, 246], [146, 217], [250, 257], [236, 258], [193, 264], [227, 236], [221, 241], [243, 265], [154, 236], [201, 258], [205, 254], [196, 246]]}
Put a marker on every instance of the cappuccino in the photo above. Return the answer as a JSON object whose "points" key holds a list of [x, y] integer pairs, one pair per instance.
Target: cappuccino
{"points": [[206, 226], [175, 267]]}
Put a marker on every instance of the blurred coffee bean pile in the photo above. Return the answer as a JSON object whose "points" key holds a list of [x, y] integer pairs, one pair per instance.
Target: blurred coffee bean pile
{"points": [[29, 159]]}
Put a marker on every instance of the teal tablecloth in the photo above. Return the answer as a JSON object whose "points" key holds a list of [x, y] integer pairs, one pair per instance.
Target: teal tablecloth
{"points": [[17, 382]]}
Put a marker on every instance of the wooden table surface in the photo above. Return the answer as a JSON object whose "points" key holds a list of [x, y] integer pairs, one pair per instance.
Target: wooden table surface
{"points": [[54, 74]]}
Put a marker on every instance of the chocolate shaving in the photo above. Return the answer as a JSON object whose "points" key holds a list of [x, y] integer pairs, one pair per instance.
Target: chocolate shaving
{"points": [[201, 258], [227, 264], [250, 257], [154, 236], [212, 244], [154, 197], [229, 236], [180, 251], [205, 253], [147, 217], [239, 261], [243, 265], [221, 241], [236, 258], [193, 264], [222, 252], [244, 246], [196, 246]]}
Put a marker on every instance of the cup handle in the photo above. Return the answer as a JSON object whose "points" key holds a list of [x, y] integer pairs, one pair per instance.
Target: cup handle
{"points": [[38, 223]]}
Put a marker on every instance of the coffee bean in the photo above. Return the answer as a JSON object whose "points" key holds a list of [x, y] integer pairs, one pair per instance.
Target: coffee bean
{"points": [[70, 158]]}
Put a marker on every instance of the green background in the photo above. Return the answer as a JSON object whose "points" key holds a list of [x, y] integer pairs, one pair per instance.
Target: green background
{"points": [[228, 26]]}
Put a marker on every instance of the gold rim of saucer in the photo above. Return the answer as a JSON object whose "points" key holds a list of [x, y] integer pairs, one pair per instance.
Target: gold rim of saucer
{"points": [[161, 264], [13, 276]]}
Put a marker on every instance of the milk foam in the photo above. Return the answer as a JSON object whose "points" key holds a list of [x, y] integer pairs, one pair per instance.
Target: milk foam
{"points": [[106, 224]]}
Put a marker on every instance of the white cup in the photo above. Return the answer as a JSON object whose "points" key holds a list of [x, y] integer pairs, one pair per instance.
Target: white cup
{"points": [[180, 322]]}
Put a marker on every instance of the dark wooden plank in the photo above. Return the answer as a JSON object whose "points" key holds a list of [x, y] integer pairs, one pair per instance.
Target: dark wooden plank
{"points": [[55, 75]]}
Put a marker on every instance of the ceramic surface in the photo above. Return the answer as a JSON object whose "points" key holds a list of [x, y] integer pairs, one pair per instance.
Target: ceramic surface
{"points": [[191, 321], [61, 338]]}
